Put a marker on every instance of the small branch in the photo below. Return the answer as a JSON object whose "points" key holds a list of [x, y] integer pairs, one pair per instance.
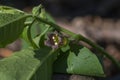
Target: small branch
{"points": [[55, 26], [80, 37]]}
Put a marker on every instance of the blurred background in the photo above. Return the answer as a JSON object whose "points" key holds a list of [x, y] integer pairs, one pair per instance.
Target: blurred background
{"points": [[72, 8], [98, 20]]}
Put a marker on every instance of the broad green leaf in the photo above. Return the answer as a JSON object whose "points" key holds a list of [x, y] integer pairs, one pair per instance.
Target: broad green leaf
{"points": [[24, 44], [8, 14], [25, 40], [79, 61], [85, 63], [44, 72], [11, 24], [39, 40], [27, 65], [35, 30]]}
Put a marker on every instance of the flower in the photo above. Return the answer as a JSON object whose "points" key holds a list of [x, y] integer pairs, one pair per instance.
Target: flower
{"points": [[54, 40]]}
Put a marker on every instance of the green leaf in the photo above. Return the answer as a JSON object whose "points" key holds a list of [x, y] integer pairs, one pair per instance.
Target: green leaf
{"points": [[44, 72], [37, 10], [24, 64], [8, 14], [11, 24], [78, 64], [79, 61], [25, 40], [65, 48], [41, 38]]}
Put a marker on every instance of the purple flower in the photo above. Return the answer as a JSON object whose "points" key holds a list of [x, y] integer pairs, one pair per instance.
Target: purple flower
{"points": [[54, 40]]}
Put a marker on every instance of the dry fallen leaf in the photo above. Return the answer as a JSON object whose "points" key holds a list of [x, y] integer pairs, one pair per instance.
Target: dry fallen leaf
{"points": [[4, 52]]}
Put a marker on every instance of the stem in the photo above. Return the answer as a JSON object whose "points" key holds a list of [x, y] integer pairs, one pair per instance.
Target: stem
{"points": [[30, 37], [80, 37], [55, 26], [100, 49]]}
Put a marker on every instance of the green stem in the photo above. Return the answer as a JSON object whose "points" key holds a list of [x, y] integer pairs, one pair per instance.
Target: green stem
{"points": [[30, 37], [100, 49], [55, 26], [80, 37]]}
